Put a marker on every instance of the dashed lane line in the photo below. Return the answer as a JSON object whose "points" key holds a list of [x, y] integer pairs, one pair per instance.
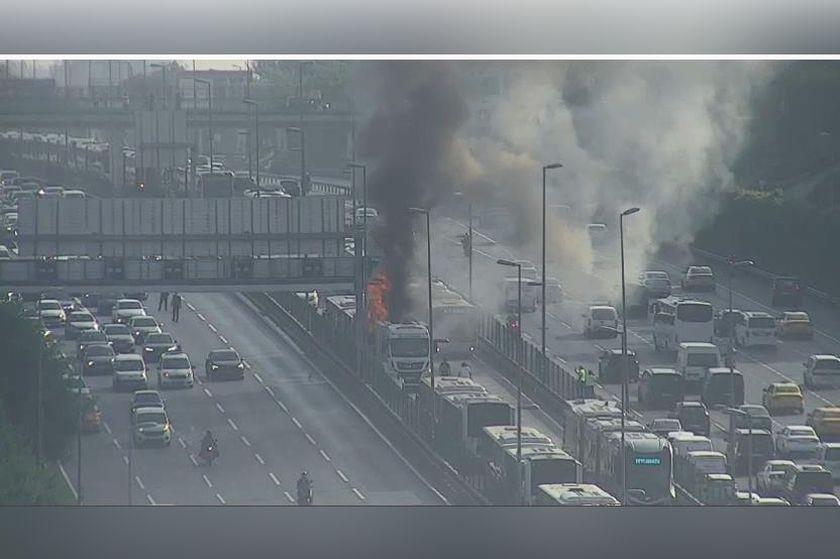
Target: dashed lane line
{"points": [[219, 407], [207, 480], [117, 444], [151, 501], [359, 494], [221, 499], [232, 424], [274, 478], [212, 328], [310, 439], [245, 441], [326, 457], [258, 377], [207, 391], [289, 497], [223, 339], [106, 427], [139, 483], [182, 443], [297, 423], [201, 317], [193, 460], [259, 458], [125, 459], [342, 476]]}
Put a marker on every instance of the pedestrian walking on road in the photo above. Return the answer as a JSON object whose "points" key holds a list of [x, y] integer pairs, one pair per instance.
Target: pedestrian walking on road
{"points": [[444, 367], [176, 307], [163, 302], [466, 370]]}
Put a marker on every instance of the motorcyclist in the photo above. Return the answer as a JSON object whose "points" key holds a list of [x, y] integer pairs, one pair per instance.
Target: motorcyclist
{"points": [[208, 441], [304, 489]]}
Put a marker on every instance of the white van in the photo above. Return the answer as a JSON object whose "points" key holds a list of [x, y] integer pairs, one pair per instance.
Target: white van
{"points": [[684, 444], [530, 295], [694, 359], [828, 457], [755, 329], [600, 320]]}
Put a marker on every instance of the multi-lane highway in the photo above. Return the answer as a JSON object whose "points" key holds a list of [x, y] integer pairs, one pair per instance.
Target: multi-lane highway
{"points": [[282, 419], [564, 337]]}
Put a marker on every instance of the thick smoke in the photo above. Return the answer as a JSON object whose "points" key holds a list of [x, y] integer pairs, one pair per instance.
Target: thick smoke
{"points": [[658, 135], [410, 144]]}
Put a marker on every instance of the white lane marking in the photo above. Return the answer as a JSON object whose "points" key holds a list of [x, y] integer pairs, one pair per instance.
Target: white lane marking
{"points": [[139, 482], [221, 499], [324, 454], [207, 480], [125, 459], [223, 339], [245, 441], [232, 424], [440, 495], [151, 501], [310, 439], [212, 328], [285, 337], [258, 377], [259, 459], [182, 443], [289, 497], [67, 480], [297, 423], [787, 378], [282, 406], [274, 478], [207, 391], [342, 476], [200, 316], [359, 494], [106, 427], [189, 306], [247, 365], [219, 407], [270, 391], [192, 459], [117, 444]]}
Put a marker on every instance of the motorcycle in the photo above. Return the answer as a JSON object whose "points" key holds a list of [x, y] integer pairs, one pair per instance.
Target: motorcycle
{"points": [[209, 453]]}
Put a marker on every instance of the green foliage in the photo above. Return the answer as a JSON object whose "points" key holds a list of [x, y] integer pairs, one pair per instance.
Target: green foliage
{"points": [[22, 480], [19, 340], [787, 236], [330, 77]]}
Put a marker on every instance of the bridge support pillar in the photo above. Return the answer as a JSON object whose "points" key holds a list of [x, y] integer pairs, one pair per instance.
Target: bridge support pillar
{"points": [[116, 170]]}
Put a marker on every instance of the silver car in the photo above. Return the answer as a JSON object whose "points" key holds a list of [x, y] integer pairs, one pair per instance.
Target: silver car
{"points": [[175, 369]]}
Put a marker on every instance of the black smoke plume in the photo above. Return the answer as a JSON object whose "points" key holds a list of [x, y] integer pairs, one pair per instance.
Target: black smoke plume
{"points": [[409, 143]]}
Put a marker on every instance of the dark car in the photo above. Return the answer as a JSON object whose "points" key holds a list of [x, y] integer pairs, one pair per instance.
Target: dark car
{"points": [[88, 338], [106, 301], [724, 322], [98, 359], [693, 417], [660, 387], [718, 386], [224, 363], [136, 295], [145, 399], [120, 337], [806, 479], [758, 442], [787, 292], [610, 366], [156, 344]]}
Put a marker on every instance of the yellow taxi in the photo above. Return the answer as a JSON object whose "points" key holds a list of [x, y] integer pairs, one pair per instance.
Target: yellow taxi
{"points": [[783, 397], [794, 325], [826, 422]]}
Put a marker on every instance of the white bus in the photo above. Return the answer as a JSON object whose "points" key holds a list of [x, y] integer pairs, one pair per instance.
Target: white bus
{"points": [[575, 495], [677, 320]]}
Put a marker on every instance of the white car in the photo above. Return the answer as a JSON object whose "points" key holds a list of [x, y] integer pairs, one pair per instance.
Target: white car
{"points": [[797, 439], [822, 371], [51, 313], [656, 282], [829, 458], [152, 425], [600, 320], [129, 372], [124, 309], [771, 477], [5, 253], [821, 500], [78, 322], [175, 369], [755, 329], [142, 326]]}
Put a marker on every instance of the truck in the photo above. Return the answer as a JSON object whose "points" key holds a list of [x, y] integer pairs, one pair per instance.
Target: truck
{"points": [[510, 291], [404, 352]]}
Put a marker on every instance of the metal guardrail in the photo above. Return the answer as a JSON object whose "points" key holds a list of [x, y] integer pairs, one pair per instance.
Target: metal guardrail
{"points": [[767, 275]]}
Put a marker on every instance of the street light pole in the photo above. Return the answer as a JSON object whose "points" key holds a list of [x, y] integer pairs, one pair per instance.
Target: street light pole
{"points": [[624, 386], [363, 302], [209, 115], [130, 463], [302, 149], [542, 297], [427, 213], [256, 106], [79, 497], [732, 265]]}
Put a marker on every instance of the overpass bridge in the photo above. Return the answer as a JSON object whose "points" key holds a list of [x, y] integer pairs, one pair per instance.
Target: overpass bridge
{"points": [[186, 244]]}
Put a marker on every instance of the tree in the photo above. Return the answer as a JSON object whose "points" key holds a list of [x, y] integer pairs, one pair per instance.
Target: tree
{"points": [[329, 77]]}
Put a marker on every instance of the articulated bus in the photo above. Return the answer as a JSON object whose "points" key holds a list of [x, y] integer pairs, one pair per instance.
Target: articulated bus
{"points": [[677, 320]]}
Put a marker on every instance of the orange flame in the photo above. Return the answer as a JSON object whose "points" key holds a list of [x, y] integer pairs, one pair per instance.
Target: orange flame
{"points": [[378, 289]]}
